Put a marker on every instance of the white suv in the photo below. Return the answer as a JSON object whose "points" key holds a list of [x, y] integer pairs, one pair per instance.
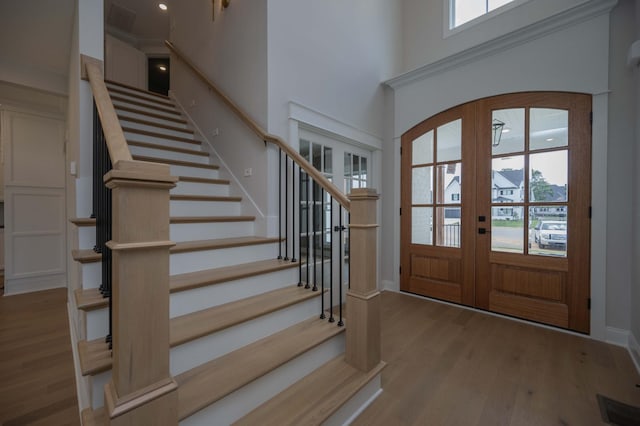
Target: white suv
{"points": [[550, 233]]}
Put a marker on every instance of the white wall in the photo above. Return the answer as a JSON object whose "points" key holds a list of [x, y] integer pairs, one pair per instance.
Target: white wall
{"points": [[635, 282], [424, 24], [620, 166], [232, 51], [560, 54], [124, 63]]}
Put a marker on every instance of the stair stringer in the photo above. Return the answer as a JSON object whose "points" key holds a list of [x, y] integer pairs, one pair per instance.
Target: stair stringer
{"points": [[264, 225]]}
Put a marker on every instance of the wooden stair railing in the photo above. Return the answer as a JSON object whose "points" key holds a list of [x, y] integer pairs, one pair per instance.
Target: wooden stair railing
{"points": [[363, 302], [141, 390]]}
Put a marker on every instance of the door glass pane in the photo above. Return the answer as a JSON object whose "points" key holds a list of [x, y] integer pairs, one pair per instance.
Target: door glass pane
{"points": [[548, 230], [448, 226], [422, 149], [449, 141], [421, 185], [328, 163], [507, 181], [548, 172], [449, 183], [421, 225], [304, 149], [507, 131], [507, 229], [363, 171], [317, 156], [548, 128]]}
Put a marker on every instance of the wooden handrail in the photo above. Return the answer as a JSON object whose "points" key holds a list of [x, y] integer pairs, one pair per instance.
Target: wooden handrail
{"points": [[338, 195], [116, 142]]}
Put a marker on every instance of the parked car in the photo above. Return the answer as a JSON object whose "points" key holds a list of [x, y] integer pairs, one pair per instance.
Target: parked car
{"points": [[550, 233]]}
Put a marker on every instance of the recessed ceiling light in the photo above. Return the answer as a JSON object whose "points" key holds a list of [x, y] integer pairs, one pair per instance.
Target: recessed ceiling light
{"points": [[506, 130], [162, 68], [549, 139], [162, 6]]}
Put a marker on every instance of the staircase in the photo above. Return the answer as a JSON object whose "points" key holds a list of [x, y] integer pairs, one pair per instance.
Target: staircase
{"points": [[247, 344]]}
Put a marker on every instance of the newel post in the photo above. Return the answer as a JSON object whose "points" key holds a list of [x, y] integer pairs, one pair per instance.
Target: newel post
{"points": [[141, 390], [363, 297]]}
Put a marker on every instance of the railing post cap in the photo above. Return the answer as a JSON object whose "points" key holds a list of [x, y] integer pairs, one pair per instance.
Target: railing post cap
{"points": [[364, 193]]}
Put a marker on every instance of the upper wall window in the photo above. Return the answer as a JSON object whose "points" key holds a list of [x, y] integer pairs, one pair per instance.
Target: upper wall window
{"points": [[463, 11]]}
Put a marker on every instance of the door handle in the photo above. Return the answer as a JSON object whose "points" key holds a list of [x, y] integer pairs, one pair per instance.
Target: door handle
{"points": [[483, 231]]}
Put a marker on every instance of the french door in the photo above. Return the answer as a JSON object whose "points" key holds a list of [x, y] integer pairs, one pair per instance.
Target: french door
{"points": [[495, 207]]}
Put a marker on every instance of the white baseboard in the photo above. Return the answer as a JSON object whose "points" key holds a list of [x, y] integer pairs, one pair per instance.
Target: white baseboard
{"points": [[617, 336], [634, 350], [82, 383], [14, 286], [389, 285]]}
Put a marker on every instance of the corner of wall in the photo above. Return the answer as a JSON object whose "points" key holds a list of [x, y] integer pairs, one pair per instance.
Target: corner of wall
{"points": [[634, 350]]}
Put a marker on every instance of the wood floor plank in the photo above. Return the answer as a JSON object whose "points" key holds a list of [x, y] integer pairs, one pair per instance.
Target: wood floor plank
{"points": [[37, 381], [451, 366]]}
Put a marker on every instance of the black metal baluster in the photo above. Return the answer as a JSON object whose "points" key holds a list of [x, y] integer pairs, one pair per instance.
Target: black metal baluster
{"points": [[331, 318], [279, 203], [349, 249], [341, 266], [293, 211], [322, 230], [315, 243], [300, 216], [286, 207], [308, 229]]}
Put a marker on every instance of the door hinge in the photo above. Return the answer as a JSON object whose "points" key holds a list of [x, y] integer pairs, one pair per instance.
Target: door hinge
{"points": [[400, 211], [400, 150], [400, 270], [590, 212], [591, 118], [589, 303]]}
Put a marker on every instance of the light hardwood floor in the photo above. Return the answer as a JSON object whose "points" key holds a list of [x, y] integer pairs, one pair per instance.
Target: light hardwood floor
{"points": [[37, 384], [451, 366]]}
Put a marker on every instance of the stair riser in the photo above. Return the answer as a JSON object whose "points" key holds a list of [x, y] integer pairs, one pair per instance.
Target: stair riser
{"points": [[194, 172], [179, 232], [147, 100], [97, 388], [86, 237], [149, 108], [137, 93], [152, 119], [91, 274], [97, 323], [197, 352], [185, 302], [172, 155], [159, 140], [194, 188], [181, 263], [242, 401], [204, 208], [155, 129]]}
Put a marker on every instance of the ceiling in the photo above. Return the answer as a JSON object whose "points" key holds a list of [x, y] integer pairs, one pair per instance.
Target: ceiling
{"points": [[140, 22]]}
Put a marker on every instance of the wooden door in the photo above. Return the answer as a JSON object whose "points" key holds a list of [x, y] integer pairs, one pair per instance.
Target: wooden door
{"points": [[438, 206], [533, 260], [519, 193]]}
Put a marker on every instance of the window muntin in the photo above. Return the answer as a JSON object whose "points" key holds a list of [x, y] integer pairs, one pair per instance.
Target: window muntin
{"points": [[460, 14]]}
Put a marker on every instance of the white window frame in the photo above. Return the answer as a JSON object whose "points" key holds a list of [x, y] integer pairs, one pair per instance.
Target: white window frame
{"points": [[447, 18]]}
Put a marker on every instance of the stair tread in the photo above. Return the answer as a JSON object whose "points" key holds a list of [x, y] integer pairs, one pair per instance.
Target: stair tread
{"points": [[211, 219], [313, 399], [167, 148], [154, 124], [95, 355], [160, 135], [203, 180], [141, 95], [150, 114], [175, 162], [197, 279], [127, 86], [187, 197], [209, 382], [91, 298], [202, 323], [220, 243], [117, 98], [91, 417], [86, 256], [83, 221]]}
